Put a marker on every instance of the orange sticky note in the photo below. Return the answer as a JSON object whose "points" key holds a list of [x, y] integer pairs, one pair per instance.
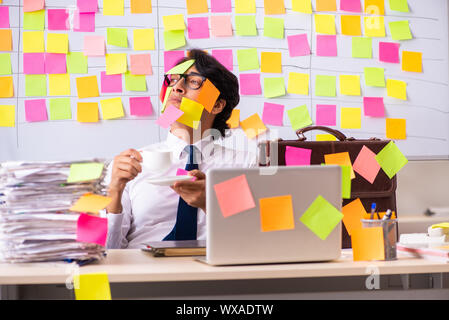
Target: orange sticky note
{"points": [[234, 120], [253, 126], [271, 62], [274, 6], [208, 95], [368, 244], [411, 61], [90, 202], [353, 212], [141, 6], [351, 25], [375, 7], [197, 6], [366, 164], [396, 129], [326, 5], [6, 87], [87, 87], [5, 40], [341, 159], [87, 112], [276, 213]]}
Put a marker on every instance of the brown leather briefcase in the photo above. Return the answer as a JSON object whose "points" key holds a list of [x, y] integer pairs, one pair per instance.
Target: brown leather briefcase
{"points": [[382, 191]]}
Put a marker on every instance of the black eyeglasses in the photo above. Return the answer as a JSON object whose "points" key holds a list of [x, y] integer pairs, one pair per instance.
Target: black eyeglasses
{"points": [[192, 80]]}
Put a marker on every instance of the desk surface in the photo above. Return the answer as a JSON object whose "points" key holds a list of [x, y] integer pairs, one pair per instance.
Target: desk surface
{"points": [[130, 265]]}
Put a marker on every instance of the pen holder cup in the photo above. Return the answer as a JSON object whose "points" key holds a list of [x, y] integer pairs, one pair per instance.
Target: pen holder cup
{"points": [[390, 227]]}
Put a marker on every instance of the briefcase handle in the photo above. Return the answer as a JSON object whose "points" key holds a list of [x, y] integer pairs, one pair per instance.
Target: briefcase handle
{"points": [[337, 134]]}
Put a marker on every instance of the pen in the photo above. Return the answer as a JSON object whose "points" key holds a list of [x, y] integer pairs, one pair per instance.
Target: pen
{"points": [[373, 209], [387, 215]]}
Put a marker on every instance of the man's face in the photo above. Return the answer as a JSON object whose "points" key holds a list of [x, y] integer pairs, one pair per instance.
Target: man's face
{"points": [[181, 89]]}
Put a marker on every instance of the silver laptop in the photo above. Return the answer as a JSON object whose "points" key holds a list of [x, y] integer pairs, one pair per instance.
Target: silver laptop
{"points": [[238, 239]]}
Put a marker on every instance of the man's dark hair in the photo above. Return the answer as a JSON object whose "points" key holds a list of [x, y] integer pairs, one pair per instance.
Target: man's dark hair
{"points": [[224, 80]]}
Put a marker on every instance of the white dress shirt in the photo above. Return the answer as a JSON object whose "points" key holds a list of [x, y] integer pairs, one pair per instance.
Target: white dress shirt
{"points": [[149, 211]]}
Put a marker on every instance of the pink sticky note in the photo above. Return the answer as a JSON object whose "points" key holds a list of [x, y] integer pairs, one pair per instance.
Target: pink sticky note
{"points": [[94, 46], [389, 52], [140, 106], [273, 114], [182, 172], [234, 196], [366, 164], [374, 107], [250, 84], [298, 45], [58, 19], [35, 110], [170, 115], [4, 17], [326, 115], [198, 28], [297, 156], [55, 63], [221, 26], [140, 64], [83, 22], [350, 5], [111, 83], [171, 58], [87, 5], [91, 229], [34, 63], [225, 57], [33, 5], [326, 45], [220, 6]]}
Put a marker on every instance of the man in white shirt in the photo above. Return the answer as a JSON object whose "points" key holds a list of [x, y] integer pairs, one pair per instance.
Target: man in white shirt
{"points": [[139, 211]]}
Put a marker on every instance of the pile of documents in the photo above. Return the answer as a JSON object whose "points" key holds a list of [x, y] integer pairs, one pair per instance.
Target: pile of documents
{"points": [[36, 223]]}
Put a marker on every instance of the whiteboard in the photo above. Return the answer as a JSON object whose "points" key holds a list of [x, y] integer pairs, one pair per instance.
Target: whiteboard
{"points": [[426, 111]]}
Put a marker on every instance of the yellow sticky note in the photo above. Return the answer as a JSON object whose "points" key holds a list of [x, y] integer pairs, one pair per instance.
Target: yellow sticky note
{"points": [[396, 129], [7, 115], [5, 40], [90, 202], [351, 25], [143, 39], [368, 244], [57, 42], [303, 6], [271, 62], [298, 83], [113, 7], [174, 22], [351, 118], [374, 27], [6, 87], [59, 84], [92, 286], [192, 113], [33, 41], [276, 213], [350, 85], [325, 23], [112, 108], [253, 126], [234, 119], [397, 89], [375, 7], [116, 63], [141, 6], [245, 6], [325, 137], [87, 87], [341, 159], [274, 6], [411, 61], [197, 6], [87, 112]]}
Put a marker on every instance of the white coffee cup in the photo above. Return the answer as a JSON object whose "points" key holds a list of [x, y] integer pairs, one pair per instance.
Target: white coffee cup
{"points": [[156, 160]]}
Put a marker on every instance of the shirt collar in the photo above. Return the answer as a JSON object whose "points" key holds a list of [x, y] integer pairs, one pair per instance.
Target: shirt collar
{"points": [[177, 145]]}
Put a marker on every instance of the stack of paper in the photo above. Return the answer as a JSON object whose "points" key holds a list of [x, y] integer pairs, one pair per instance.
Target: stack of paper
{"points": [[36, 223]]}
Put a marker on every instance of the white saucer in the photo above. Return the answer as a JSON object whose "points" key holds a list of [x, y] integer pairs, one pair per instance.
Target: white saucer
{"points": [[168, 181]]}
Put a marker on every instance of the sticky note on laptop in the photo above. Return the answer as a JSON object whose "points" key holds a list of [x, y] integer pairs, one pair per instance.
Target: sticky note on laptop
{"points": [[276, 213]]}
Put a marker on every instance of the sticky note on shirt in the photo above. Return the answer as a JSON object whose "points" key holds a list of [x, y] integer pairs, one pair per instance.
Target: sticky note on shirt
{"points": [[353, 212], [273, 87], [143, 39], [92, 286], [273, 114], [91, 203], [339, 158], [253, 126], [325, 24], [400, 30], [247, 59], [192, 113], [276, 213], [298, 83], [326, 115], [91, 229], [112, 108], [368, 244], [411, 61], [396, 129], [7, 114], [87, 112], [351, 118], [397, 89], [299, 117], [87, 87], [35, 110], [325, 86], [170, 115], [391, 159], [295, 156], [85, 171], [366, 164], [350, 85]]}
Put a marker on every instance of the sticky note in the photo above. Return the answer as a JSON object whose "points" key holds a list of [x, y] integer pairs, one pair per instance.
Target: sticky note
{"points": [[4, 17], [35, 110], [234, 119], [174, 39], [225, 57], [326, 5], [411, 61], [6, 40], [91, 229], [298, 83], [170, 115], [143, 39], [325, 24], [396, 129], [112, 108], [247, 59], [298, 45], [33, 41], [87, 112], [326, 115], [140, 64], [325, 86], [374, 26], [339, 158], [303, 6], [366, 164], [274, 7], [198, 28], [33, 5], [271, 62], [273, 114], [91, 203], [141, 6], [368, 244], [373, 107], [35, 85], [34, 20], [374, 77], [253, 126], [397, 89], [76, 62], [345, 182], [174, 22], [208, 95], [116, 63], [351, 118], [6, 87], [93, 286], [87, 87], [117, 37], [140, 106], [220, 6], [59, 84], [276, 213], [353, 213], [33, 63], [7, 113], [245, 25], [273, 27], [182, 67], [375, 7], [273, 87], [221, 26], [84, 22], [299, 117], [94, 46], [326, 45], [58, 19], [362, 47], [110, 83], [113, 7], [197, 6], [295, 156], [399, 5], [135, 82], [321, 217], [391, 159], [60, 109], [325, 137], [245, 6], [164, 100], [350, 85], [192, 112], [400, 30], [57, 42], [350, 5], [350, 25], [87, 5], [55, 63], [234, 196], [389, 52]]}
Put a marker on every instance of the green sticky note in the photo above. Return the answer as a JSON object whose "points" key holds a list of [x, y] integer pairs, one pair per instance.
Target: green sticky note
{"points": [[273, 27], [299, 117], [167, 94], [35, 85], [362, 47], [245, 26], [76, 62], [345, 182], [60, 109], [248, 59], [118, 37], [174, 39], [85, 171], [400, 30], [391, 159], [273, 87], [5, 64], [325, 86], [135, 82], [399, 5], [321, 217], [182, 67], [34, 20], [374, 77]]}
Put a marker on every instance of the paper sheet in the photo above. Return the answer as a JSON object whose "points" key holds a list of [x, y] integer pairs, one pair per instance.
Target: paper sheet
{"points": [[276, 213], [298, 83], [87, 112], [295, 156], [366, 164], [351, 118], [271, 62], [87, 87], [326, 115], [353, 212], [396, 129], [273, 114], [391, 159], [253, 126], [60, 109], [143, 39], [112, 108], [36, 110], [368, 244], [299, 117]]}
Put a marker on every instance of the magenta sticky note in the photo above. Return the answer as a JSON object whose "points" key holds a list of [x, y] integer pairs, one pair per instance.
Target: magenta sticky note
{"points": [[220, 6], [171, 58], [35, 110], [140, 106], [83, 22], [198, 28], [221, 26], [111, 83], [297, 156], [225, 57], [4, 17], [350, 5], [326, 115], [87, 5], [55, 63], [58, 19], [374, 107], [170, 115], [34, 63], [298, 45], [389, 52], [91, 229], [94, 46], [250, 84], [273, 114], [182, 172], [326, 45]]}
